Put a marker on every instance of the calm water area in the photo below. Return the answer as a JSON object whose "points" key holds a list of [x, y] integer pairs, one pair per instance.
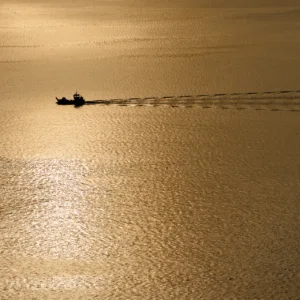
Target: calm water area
{"points": [[167, 200]]}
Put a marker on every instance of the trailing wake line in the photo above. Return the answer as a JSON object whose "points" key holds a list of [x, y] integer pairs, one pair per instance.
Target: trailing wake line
{"points": [[295, 94]]}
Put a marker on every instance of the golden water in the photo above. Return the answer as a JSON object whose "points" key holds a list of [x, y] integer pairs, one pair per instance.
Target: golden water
{"points": [[168, 201]]}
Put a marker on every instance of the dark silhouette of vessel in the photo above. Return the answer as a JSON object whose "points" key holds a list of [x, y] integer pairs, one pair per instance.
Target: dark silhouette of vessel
{"points": [[78, 100]]}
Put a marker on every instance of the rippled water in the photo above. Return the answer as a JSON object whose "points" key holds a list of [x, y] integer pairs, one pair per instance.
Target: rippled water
{"points": [[158, 198], [131, 202]]}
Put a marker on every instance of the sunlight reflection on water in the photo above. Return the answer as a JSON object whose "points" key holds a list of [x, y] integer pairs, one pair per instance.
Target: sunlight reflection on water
{"points": [[60, 214]]}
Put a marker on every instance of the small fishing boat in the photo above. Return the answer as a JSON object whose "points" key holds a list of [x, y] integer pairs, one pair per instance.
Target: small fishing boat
{"points": [[77, 100]]}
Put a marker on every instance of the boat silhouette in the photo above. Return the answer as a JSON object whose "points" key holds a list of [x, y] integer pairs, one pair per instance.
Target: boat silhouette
{"points": [[77, 100]]}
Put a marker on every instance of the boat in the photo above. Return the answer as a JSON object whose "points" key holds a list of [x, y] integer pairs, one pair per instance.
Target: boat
{"points": [[77, 100]]}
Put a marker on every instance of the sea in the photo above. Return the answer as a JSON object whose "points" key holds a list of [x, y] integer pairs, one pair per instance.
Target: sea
{"points": [[184, 184]]}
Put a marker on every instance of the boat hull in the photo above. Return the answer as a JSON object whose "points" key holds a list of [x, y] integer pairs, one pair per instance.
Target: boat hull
{"points": [[65, 101]]}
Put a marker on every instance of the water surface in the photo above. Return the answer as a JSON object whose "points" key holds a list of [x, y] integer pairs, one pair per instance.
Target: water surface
{"points": [[173, 200]]}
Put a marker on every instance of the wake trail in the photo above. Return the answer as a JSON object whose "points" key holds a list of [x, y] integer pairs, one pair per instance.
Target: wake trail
{"points": [[271, 100]]}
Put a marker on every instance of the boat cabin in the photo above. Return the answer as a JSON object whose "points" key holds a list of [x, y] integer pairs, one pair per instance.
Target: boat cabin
{"points": [[77, 96]]}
